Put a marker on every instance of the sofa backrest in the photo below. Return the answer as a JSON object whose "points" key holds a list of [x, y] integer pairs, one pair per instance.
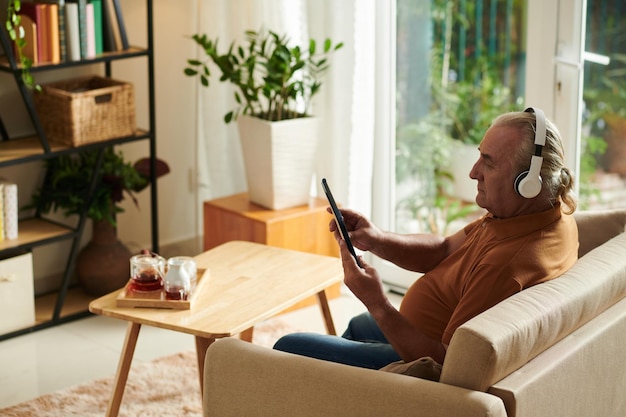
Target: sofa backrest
{"points": [[504, 338], [597, 227]]}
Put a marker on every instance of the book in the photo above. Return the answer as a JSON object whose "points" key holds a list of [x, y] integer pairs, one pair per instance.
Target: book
{"points": [[97, 18], [91, 32], [120, 24], [108, 38], [82, 25], [30, 50], [113, 25], [9, 193], [43, 29], [55, 11], [62, 30], [72, 32], [36, 13], [52, 34]]}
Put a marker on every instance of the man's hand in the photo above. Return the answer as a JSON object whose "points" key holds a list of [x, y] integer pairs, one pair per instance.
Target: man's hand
{"points": [[363, 233], [364, 282]]}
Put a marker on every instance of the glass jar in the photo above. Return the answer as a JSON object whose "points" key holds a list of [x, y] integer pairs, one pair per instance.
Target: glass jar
{"points": [[190, 267], [177, 279], [147, 272]]}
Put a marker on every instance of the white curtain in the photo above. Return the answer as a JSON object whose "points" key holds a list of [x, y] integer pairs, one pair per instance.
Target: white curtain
{"points": [[346, 103]]}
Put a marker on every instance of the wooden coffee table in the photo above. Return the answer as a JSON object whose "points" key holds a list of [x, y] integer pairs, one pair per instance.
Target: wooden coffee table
{"points": [[248, 283]]}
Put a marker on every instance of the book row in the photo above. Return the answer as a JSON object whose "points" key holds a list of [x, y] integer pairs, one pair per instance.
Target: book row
{"points": [[71, 30], [8, 210]]}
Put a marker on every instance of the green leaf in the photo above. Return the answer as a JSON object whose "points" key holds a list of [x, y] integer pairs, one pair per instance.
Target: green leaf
{"points": [[270, 76], [190, 72]]}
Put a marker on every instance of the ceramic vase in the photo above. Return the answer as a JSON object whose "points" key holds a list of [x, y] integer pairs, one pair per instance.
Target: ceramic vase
{"points": [[103, 264]]}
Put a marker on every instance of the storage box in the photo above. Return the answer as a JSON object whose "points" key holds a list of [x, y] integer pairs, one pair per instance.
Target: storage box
{"points": [[86, 110], [17, 299]]}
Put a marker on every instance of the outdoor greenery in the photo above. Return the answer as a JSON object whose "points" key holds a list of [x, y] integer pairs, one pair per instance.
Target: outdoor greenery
{"points": [[470, 77], [273, 80]]}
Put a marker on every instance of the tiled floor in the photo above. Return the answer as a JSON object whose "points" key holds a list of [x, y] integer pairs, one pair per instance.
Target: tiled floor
{"points": [[88, 349]]}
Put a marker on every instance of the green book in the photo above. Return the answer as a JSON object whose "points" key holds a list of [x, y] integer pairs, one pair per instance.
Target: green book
{"points": [[97, 17], [62, 30]]}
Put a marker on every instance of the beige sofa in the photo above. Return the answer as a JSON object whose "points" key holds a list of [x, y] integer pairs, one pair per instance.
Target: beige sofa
{"points": [[556, 349]]}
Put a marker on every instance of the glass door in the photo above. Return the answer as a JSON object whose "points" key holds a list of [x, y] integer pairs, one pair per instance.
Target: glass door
{"points": [[603, 134], [459, 65]]}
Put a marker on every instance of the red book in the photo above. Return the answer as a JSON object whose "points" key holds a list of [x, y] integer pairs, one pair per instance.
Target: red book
{"points": [[37, 15]]}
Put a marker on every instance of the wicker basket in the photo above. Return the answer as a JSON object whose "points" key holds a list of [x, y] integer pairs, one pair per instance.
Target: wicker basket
{"points": [[86, 110]]}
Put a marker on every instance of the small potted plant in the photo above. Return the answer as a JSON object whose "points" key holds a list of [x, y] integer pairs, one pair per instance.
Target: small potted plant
{"points": [[274, 84], [103, 264]]}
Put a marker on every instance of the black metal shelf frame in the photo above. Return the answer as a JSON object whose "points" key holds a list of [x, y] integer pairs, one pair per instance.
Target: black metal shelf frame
{"points": [[11, 66]]}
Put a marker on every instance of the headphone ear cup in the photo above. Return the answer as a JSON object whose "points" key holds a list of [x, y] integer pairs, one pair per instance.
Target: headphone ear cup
{"points": [[526, 186], [518, 180]]}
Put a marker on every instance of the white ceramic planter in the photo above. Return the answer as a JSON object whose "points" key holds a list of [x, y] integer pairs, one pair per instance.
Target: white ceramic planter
{"points": [[279, 158]]}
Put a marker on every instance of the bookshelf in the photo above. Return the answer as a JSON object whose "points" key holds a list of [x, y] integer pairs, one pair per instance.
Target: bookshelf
{"points": [[68, 303]]}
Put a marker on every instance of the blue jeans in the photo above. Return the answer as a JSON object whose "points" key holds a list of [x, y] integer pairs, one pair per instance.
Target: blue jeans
{"points": [[362, 344]]}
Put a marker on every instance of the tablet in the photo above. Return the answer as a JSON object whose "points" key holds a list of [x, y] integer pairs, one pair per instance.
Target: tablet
{"points": [[339, 220]]}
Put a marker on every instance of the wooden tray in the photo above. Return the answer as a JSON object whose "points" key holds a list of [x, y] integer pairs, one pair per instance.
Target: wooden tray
{"points": [[156, 299]]}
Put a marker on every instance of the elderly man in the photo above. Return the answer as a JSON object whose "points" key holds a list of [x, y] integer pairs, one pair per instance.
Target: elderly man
{"points": [[527, 237]]}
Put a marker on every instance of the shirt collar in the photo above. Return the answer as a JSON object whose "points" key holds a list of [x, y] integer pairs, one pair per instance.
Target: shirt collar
{"points": [[521, 225]]}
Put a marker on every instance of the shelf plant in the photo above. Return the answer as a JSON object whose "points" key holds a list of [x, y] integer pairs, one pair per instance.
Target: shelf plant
{"points": [[17, 35], [273, 80], [69, 179], [102, 265]]}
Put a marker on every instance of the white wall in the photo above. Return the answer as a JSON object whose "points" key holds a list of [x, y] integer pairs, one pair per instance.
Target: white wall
{"points": [[175, 120], [175, 132]]}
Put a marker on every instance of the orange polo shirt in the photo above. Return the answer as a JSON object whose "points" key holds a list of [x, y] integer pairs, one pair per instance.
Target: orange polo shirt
{"points": [[499, 258]]}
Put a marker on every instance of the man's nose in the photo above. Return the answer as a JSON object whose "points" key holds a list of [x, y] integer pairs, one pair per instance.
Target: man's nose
{"points": [[474, 172]]}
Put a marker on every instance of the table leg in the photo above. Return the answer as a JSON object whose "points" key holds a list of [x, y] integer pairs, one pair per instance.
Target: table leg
{"points": [[202, 344], [328, 318], [132, 332], [246, 335]]}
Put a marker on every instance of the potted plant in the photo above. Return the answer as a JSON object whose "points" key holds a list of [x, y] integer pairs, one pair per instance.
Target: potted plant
{"points": [[274, 84], [103, 264]]}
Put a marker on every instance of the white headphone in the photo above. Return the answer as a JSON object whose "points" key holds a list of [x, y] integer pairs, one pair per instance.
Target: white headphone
{"points": [[528, 183]]}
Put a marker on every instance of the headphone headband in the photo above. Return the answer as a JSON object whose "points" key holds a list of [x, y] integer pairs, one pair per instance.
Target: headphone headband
{"points": [[540, 125], [528, 183]]}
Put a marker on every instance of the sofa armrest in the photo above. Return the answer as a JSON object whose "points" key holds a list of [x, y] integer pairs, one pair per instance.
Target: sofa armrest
{"points": [[242, 379]]}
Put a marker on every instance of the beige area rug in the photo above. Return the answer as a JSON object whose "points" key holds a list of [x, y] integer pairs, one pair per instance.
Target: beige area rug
{"points": [[165, 387]]}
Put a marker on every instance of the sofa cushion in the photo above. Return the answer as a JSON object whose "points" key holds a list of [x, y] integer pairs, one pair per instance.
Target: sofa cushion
{"points": [[425, 368], [505, 337], [597, 227]]}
